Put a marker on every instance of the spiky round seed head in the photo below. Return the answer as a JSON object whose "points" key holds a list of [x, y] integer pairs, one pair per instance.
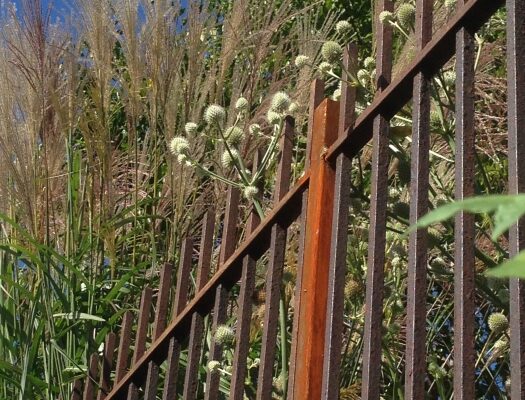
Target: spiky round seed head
{"points": [[228, 158], [224, 334], [280, 102], [332, 52], [179, 145], [363, 76], [406, 15], [278, 384], [250, 192], [386, 17], [343, 27], [241, 104], [369, 62], [450, 4], [436, 371], [183, 159], [498, 322], [213, 365], [273, 117], [191, 128], [352, 289], [234, 135], [449, 77], [325, 67], [501, 345], [254, 129], [214, 114], [293, 108], [301, 61], [337, 94]]}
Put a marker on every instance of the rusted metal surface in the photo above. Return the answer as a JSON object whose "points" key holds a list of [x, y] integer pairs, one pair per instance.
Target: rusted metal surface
{"points": [[107, 365], [180, 300], [316, 97], [161, 312], [274, 272], [91, 379], [516, 151], [337, 268], [244, 312], [140, 339], [464, 234], [229, 240], [191, 378], [123, 347], [312, 305], [76, 393], [378, 203], [415, 367]]}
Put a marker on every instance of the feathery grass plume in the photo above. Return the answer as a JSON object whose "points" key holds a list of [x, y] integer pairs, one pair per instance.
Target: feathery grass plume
{"points": [[332, 52]]}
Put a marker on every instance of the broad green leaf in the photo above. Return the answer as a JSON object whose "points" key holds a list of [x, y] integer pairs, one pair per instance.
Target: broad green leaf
{"points": [[508, 209], [513, 268], [78, 316]]}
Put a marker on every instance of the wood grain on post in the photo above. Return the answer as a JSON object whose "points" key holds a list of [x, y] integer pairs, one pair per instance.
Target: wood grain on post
{"points": [[314, 285]]}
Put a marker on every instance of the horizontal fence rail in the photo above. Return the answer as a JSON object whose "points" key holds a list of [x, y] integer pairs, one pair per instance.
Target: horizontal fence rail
{"points": [[161, 351]]}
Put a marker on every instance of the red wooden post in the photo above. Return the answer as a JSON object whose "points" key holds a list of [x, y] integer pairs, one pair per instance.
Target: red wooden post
{"points": [[314, 285]]}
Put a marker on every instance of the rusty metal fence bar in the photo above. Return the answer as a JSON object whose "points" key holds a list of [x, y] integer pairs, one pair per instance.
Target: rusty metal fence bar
{"points": [[320, 202]]}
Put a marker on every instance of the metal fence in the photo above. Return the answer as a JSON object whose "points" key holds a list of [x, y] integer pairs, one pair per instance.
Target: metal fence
{"points": [[320, 202]]}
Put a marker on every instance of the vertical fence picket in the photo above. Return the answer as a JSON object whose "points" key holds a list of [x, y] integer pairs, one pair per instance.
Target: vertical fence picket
{"points": [[314, 280], [91, 379], [274, 272], [378, 203], [161, 312], [337, 267], [516, 122], [419, 186], [76, 393], [180, 300], [228, 243], [197, 321], [316, 97], [464, 233], [140, 339], [123, 347], [244, 313], [107, 365]]}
